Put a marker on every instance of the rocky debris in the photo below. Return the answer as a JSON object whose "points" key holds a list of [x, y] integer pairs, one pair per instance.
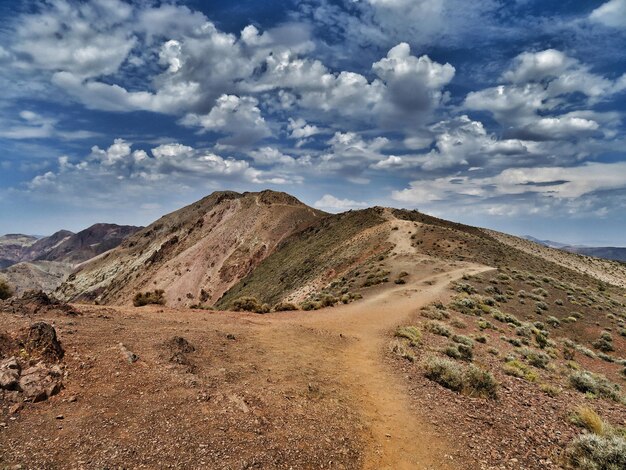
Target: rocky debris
{"points": [[33, 303], [36, 383], [130, 356], [8, 347], [40, 341], [9, 374], [32, 375], [40, 382], [178, 349]]}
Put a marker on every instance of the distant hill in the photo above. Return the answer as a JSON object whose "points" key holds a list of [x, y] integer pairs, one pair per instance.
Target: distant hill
{"points": [[196, 253], [550, 243], [605, 252], [12, 248], [29, 262], [270, 246]]}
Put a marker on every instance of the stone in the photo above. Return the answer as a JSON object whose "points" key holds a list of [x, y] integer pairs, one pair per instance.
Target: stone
{"points": [[16, 408], [9, 379]]}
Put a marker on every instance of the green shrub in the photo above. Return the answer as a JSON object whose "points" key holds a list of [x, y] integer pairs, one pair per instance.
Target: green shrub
{"points": [[517, 369], [463, 340], [446, 373], [438, 328], [535, 358], [285, 307], [250, 304], [460, 351], [146, 298], [6, 291], [310, 305], [505, 317], [594, 452], [598, 385], [604, 343], [479, 382], [553, 322], [550, 390], [409, 332], [467, 379]]}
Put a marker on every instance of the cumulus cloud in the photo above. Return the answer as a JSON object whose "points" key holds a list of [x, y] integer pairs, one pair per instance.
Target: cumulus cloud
{"points": [[539, 84], [413, 84], [612, 14], [237, 117], [521, 189], [120, 172], [299, 129], [334, 204], [31, 125]]}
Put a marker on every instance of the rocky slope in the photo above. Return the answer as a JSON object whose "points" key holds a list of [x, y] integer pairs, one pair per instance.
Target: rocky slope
{"points": [[84, 245], [336, 255], [272, 247], [196, 253], [44, 263], [614, 253], [12, 248]]}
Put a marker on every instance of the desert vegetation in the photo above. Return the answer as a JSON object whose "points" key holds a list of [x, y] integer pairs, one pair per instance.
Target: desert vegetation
{"points": [[5, 290], [156, 297]]}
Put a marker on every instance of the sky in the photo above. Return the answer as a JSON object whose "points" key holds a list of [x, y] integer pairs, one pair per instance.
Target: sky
{"points": [[507, 114]]}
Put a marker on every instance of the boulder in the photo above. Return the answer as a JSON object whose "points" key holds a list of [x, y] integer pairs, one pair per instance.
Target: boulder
{"points": [[9, 374], [40, 340], [40, 382]]}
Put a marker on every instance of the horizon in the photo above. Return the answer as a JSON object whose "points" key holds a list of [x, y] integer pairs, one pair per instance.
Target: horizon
{"points": [[79, 229], [508, 117]]}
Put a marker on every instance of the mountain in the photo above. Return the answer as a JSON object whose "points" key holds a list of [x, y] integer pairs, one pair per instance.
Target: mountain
{"points": [[341, 251], [44, 263], [605, 252], [413, 315], [84, 245], [270, 246], [549, 243], [44, 245], [196, 253], [12, 248]]}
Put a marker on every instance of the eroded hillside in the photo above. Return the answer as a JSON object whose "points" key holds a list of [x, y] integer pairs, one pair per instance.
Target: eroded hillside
{"points": [[196, 253]]}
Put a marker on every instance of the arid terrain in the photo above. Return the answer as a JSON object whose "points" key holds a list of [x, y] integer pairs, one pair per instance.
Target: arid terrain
{"points": [[377, 339]]}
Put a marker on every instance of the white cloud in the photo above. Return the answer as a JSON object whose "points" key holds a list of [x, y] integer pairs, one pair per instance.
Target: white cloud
{"points": [[612, 13], [334, 204], [31, 125], [118, 173], [87, 40], [462, 142], [273, 156], [239, 118], [536, 66], [559, 128], [541, 84], [551, 183], [413, 84], [300, 129], [509, 104]]}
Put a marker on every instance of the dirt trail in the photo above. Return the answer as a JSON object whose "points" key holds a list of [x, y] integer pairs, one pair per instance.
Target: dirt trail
{"points": [[398, 440]]}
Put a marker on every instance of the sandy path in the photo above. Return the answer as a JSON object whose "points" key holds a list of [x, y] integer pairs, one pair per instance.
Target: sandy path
{"points": [[398, 440]]}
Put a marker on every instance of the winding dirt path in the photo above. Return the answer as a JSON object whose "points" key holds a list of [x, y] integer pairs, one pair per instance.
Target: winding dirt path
{"points": [[397, 438]]}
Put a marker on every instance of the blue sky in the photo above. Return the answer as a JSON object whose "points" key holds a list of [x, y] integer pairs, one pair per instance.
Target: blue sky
{"points": [[505, 114]]}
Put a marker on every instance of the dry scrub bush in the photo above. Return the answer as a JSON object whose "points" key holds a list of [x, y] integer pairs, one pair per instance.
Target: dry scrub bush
{"points": [[146, 298], [466, 379]]}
